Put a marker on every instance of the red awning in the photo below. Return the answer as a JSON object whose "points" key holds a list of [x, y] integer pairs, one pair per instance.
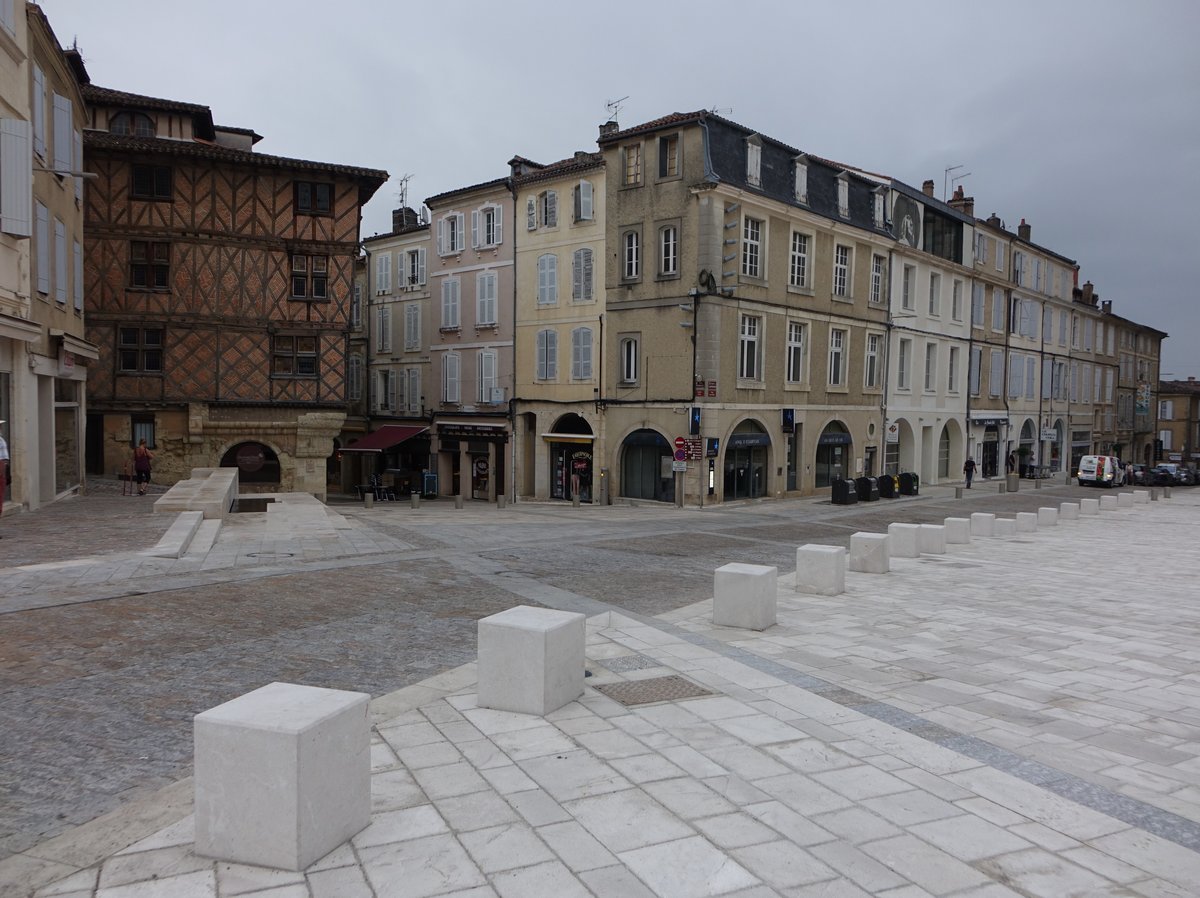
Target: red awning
{"points": [[386, 437]]}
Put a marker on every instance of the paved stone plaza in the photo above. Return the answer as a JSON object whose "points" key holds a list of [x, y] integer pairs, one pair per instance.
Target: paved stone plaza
{"points": [[1019, 716]]}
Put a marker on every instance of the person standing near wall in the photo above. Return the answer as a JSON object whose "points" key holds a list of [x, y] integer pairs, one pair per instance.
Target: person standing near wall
{"points": [[142, 457], [969, 470]]}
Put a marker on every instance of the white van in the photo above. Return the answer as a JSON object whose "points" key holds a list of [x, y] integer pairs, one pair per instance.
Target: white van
{"points": [[1100, 470]]}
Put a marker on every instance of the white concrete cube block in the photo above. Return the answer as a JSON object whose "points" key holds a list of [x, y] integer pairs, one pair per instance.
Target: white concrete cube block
{"points": [[1141, 497], [958, 531], [1153, 495], [1108, 503], [744, 596], [1125, 500], [821, 570], [869, 553], [1006, 527], [983, 524], [282, 775], [530, 659], [1027, 522], [1089, 506], [1068, 511], [932, 539], [904, 540], [1047, 517]]}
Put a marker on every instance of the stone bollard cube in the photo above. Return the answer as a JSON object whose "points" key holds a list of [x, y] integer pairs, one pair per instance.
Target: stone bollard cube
{"points": [[958, 492], [958, 531], [1047, 517], [1068, 511], [869, 553], [282, 775], [1027, 522], [1153, 495], [1124, 500], [1089, 506], [458, 502], [530, 659], [983, 524], [1108, 503], [1006, 527], [904, 540], [1166, 492], [744, 596], [821, 570], [414, 500], [1141, 497], [932, 539]]}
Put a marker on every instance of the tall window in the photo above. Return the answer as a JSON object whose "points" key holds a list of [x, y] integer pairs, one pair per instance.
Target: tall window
{"points": [[629, 360], [997, 309], [749, 367], [450, 237], [798, 265], [935, 294], [60, 265], [314, 198], [837, 357], [412, 326], [385, 396], [871, 369], [904, 365], [383, 273], [294, 356], [633, 164], [796, 344], [581, 353], [841, 270], [383, 329], [976, 362], [310, 277], [668, 156], [631, 262], [149, 264], [548, 206], [877, 263], [952, 378], [996, 374], [581, 275], [140, 350], [930, 367], [485, 297], [485, 369], [583, 201], [753, 162], [356, 308], [843, 192], [752, 248], [977, 304], [800, 178], [451, 369], [980, 247], [414, 265], [906, 285], [354, 377], [668, 254], [450, 293], [487, 226], [956, 301], [547, 266], [547, 355]]}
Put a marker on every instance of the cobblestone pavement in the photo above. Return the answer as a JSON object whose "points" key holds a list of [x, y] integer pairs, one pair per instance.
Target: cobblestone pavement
{"points": [[1016, 717], [97, 695]]}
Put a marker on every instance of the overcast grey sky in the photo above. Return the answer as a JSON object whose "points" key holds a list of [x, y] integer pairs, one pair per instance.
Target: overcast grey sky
{"points": [[1081, 116]]}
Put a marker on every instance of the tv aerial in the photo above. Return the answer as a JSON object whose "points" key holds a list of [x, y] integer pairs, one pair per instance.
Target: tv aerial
{"points": [[614, 107]]}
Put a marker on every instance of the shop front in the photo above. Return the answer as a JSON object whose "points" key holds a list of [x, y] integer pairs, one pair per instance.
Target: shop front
{"points": [[989, 451], [834, 447], [471, 460], [745, 466], [646, 467], [570, 447]]}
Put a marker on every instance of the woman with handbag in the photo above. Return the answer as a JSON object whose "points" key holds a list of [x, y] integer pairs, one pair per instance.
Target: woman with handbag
{"points": [[141, 465]]}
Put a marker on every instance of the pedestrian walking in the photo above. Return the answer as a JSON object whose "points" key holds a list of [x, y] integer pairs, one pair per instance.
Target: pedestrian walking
{"points": [[141, 465], [969, 470], [1010, 463]]}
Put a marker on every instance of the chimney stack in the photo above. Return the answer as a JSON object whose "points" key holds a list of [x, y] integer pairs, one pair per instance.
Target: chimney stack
{"points": [[1023, 230], [927, 188], [994, 221], [1106, 306], [1088, 293], [404, 218], [609, 128], [964, 204]]}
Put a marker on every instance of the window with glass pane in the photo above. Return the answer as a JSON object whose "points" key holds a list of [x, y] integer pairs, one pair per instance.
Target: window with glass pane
{"points": [[837, 357], [748, 367], [798, 267], [841, 271], [149, 265], [294, 355], [629, 360], [669, 254], [795, 352], [139, 350], [752, 248], [632, 256], [877, 279], [871, 371]]}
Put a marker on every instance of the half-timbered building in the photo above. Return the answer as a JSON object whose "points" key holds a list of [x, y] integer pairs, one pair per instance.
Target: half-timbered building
{"points": [[218, 284]]}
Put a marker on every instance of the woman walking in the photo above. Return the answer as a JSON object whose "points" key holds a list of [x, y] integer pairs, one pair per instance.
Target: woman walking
{"points": [[141, 465]]}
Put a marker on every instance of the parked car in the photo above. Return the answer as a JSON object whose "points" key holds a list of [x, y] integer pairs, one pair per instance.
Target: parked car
{"points": [[1100, 470], [1139, 474], [1186, 476], [1165, 475]]}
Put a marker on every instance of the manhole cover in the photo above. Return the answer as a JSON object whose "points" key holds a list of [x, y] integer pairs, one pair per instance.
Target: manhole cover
{"points": [[629, 662], [657, 689]]}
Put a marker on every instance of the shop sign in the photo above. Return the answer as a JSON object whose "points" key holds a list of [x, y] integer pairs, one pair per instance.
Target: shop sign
{"points": [[835, 439], [1049, 433], [472, 432], [746, 440], [893, 433]]}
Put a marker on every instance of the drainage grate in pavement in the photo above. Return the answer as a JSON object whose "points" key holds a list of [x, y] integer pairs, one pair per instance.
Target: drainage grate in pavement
{"points": [[658, 689], [628, 662]]}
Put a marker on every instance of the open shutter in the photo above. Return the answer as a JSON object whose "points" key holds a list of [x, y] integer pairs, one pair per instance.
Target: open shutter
{"points": [[39, 112], [499, 213], [62, 133], [421, 265], [587, 274], [60, 262], [541, 355], [577, 275], [78, 277], [551, 355], [450, 377], [577, 353], [585, 200], [78, 164], [16, 178], [551, 208], [441, 237], [531, 213], [414, 389], [391, 400], [475, 229], [43, 249]]}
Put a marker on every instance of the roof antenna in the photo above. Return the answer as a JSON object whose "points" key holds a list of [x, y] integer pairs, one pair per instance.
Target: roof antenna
{"points": [[614, 107], [402, 195], [728, 110]]}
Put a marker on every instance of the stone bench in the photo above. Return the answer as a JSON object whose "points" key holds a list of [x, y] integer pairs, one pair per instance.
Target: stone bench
{"points": [[904, 540], [1089, 507], [1047, 517], [1068, 511], [958, 531], [1125, 500], [869, 553], [1108, 503], [821, 570], [531, 660], [282, 775], [209, 490], [1006, 526], [932, 539], [744, 596], [1027, 522], [983, 524]]}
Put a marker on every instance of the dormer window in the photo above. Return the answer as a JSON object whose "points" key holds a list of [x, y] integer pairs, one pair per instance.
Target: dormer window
{"points": [[879, 207], [754, 160], [131, 124], [843, 191], [800, 191]]}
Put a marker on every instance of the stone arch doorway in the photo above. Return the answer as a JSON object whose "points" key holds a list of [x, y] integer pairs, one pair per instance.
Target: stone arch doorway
{"points": [[834, 448], [745, 463], [256, 463], [569, 444], [646, 467]]}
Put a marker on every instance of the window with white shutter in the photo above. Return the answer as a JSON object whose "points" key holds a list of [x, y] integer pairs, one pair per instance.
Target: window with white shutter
{"points": [[414, 266], [39, 111], [60, 262], [450, 372], [1047, 377], [547, 355], [583, 201], [412, 326], [547, 266], [1030, 377], [78, 280], [800, 185], [973, 374], [392, 402], [450, 303], [485, 297], [354, 377], [16, 178], [63, 133], [356, 308], [581, 353], [1016, 376], [43, 249], [414, 390], [977, 304], [77, 165], [548, 203], [996, 375], [531, 214], [383, 273], [486, 371], [581, 275], [754, 161], [383, 333]]}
